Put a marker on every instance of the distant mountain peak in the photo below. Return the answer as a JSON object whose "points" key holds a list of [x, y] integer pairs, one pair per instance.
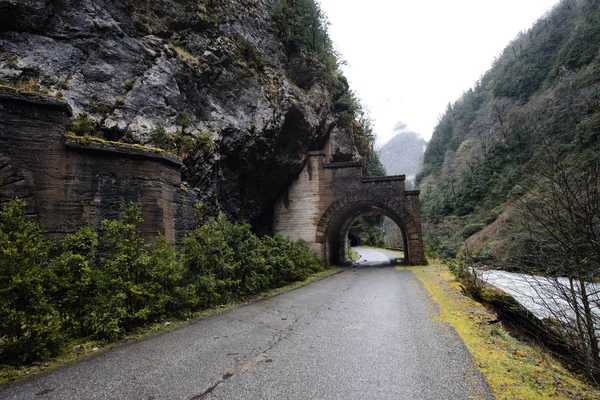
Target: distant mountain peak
{"points": [[403, 153]]}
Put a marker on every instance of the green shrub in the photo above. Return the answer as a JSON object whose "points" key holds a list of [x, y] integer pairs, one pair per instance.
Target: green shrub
{"points": [[276, 251], [204, 142], [253, 272], [184, 120], [125, 291], [305, 258], [29, 324], [166, 275], [82, 125], [183, 143], [188, 145], [76, 280], [161, 139], [209, 263], [472, 229], [289, 261], [468, 278], [248, 52]]}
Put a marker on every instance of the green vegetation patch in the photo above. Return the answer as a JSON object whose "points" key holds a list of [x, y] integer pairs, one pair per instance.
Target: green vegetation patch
{"points": [[250, 55], [182, 143], [61, 296], [513, 369]]}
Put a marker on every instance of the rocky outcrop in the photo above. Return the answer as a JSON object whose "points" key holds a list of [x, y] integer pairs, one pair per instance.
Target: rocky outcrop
{"points": [[210, 68]]}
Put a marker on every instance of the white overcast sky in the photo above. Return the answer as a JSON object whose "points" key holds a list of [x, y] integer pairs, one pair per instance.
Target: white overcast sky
{"points": [[409, 59]]}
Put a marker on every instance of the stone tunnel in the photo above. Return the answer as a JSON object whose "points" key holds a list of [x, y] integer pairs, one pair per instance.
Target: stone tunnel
{"points": [[321, 206]]}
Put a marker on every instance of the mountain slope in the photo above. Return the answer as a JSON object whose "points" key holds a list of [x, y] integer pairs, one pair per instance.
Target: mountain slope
{"points": [[403, 154], [541, 92]]}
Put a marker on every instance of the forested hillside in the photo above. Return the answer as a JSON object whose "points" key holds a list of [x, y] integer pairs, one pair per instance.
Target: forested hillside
{"points": [[536, 110]]}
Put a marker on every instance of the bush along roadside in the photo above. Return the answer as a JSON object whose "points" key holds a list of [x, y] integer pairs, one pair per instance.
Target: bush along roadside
{"points": [[102, 284]]}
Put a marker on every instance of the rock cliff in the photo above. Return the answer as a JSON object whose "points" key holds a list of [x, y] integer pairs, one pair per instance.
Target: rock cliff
{"points": [[209, 70]]}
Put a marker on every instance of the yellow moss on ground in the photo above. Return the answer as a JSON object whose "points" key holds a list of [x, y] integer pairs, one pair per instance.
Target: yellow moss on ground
{"points": [[513, 369], [90, 139]]}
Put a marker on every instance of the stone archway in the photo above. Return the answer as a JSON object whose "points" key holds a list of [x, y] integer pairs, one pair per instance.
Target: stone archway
{"points": [[337, 220], [326, 199]]}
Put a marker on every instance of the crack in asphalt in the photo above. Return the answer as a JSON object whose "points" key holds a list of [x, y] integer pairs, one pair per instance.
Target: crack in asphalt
{"points": [[250, 362], [257, 358]]}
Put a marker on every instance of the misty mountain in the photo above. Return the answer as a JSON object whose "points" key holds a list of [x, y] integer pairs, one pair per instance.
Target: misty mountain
{"points": [[403, 154]]}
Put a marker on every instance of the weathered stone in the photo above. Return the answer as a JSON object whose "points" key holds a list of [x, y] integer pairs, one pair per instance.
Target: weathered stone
{"points": [[327, 198], [70, 182]]}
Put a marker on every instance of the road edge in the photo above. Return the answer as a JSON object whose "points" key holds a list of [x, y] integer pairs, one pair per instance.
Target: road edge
{"points": [[512, 368]]}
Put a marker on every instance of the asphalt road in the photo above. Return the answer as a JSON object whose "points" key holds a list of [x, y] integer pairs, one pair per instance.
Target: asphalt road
{"points": [[365, 333], [368, 256]]}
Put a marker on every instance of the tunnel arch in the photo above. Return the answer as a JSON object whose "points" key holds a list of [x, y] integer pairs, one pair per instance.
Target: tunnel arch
{"points": [[337, 220], [325, 199], [343, 255]]}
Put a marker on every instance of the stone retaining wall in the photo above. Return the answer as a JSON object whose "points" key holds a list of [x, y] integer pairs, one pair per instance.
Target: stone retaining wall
{"points": [[71, 182]]}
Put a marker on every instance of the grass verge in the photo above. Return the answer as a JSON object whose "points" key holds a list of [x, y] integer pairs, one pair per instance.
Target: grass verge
{"points": [[513, 368], [87, 347]]}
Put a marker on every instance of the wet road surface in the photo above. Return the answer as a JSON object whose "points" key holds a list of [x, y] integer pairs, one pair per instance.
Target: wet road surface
{"points": [[364, 333], [368, 256]]}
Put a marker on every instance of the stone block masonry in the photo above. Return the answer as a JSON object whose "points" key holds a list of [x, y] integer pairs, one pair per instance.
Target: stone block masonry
{"points": [[327, 198], [72, 182]]}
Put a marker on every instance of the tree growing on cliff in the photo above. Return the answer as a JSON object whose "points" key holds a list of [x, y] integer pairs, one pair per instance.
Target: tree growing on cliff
{"points": [[302, 27]]}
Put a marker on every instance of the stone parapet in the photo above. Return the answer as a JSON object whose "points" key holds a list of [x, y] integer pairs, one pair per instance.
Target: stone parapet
{"points": [[122, 149], [384, 178]]}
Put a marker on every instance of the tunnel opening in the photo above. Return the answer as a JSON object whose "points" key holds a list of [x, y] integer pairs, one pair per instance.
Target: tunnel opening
{"points": [[375, 231], [354, 238], [344, 229]]}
